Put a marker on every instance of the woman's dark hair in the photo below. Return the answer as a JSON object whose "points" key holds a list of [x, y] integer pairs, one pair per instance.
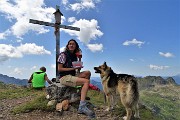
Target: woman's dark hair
{"points": [[77, 46]]}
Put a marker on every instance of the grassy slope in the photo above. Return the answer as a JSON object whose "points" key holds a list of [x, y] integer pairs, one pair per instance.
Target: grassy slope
{"points": [[39, 102], [163, 100]]}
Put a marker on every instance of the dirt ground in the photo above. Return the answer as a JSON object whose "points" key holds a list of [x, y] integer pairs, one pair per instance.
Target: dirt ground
{"points": [[7, 104]]}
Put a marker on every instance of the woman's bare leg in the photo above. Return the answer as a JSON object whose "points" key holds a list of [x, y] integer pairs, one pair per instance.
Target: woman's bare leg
{"points": [[84, 79]]}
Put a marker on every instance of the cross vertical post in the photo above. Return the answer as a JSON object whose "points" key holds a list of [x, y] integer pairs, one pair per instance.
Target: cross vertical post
{"points": [[57, 52], [57, 25], [57, 15]]}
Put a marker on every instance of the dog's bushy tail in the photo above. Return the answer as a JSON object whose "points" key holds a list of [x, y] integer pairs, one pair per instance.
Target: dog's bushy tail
{"points": [[134, 86], [133, 94]]}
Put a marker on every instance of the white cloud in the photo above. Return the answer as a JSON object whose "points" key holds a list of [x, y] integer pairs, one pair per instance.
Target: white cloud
{"points": [[64, 2], [131, 60], [81, 5], [95, 47], [168, 54], [21, 11], [17, 71], [4, 34], [89, 30], [33, 68], [19, 41], [71, 19], [155, 67], [53, 66], [32, 48], [9, 66], [9, 51], [133, 42]]}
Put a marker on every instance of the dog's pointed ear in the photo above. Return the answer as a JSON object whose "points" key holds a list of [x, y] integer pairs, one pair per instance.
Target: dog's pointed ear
{"points": [[105, 64]]}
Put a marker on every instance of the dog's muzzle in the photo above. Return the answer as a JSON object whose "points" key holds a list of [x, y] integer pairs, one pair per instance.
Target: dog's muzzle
{"points": [[97, 70]]}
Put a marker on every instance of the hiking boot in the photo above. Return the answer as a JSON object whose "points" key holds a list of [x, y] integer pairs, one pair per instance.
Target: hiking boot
{"points": [[84, 110]]}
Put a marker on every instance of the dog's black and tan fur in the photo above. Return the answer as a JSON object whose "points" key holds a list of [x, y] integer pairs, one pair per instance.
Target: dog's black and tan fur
{"points": [[126, 85]]}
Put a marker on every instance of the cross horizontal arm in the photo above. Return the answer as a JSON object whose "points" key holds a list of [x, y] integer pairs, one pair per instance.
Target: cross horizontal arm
{"points": [[41, 22], [52, 24], [70, 27]]}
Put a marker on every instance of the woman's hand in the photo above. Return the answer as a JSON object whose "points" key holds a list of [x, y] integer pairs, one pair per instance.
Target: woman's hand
{"points": [[78, 67]]}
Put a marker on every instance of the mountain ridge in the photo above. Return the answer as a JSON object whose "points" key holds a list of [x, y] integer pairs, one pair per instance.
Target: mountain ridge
{"points": [[151, 80], [11, 80]]}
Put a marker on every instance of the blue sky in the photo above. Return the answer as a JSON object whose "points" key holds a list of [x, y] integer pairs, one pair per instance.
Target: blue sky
{"points": [[138, 37]]}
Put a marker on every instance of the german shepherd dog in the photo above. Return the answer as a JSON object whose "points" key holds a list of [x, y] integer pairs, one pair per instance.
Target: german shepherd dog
{"points": [[125, 85]]}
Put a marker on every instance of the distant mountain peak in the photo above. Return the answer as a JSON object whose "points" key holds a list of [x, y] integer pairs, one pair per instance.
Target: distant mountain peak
{"points": [[11, 80], [151, 81]]}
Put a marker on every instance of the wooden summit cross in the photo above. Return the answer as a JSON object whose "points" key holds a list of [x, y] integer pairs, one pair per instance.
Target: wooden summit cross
{"points": [[57, 25]]}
